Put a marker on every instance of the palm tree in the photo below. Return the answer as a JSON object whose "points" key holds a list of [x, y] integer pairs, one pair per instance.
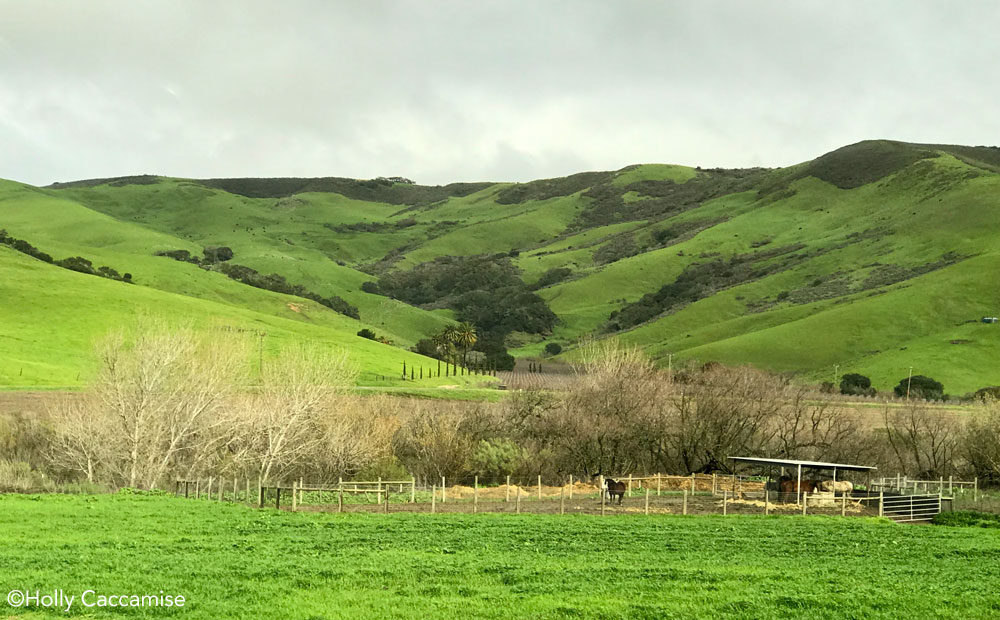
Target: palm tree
{"points": [[463, 335], [443, 343]]}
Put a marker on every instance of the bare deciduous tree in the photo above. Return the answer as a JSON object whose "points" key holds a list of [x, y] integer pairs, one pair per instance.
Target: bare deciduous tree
{"points": [[923, 441], [277, 427], [156, 399]]}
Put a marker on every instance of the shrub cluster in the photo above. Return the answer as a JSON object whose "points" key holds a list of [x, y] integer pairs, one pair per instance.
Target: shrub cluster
{"points": [[216, 258], [73, 263], [700, 280], [552, 276], [278, 284], [484, 290]]}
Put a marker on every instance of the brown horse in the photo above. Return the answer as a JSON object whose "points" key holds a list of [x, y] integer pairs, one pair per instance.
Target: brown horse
{"points": [[791, 486], [614, 487]]}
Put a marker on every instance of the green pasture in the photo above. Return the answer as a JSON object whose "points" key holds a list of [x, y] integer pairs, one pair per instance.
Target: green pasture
{"points": [[231, 561]]}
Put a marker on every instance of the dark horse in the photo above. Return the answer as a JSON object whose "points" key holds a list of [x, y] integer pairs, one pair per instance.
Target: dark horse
{"points": [[614, 487]]}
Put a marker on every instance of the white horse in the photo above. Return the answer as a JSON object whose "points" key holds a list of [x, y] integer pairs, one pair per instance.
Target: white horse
{"points": [[843, 487]]}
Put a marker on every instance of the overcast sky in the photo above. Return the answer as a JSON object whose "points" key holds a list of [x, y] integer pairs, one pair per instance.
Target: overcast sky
{"points": [[478, 90]]}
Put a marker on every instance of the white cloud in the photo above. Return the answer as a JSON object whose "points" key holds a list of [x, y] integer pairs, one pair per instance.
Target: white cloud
{"points": [[455, 91]]}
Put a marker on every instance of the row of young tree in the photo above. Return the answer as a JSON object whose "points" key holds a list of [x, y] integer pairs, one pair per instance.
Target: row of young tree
{"points": [[173, 404]]}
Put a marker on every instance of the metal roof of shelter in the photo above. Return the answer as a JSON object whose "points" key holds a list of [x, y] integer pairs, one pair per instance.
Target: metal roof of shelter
{"points": [[797, 463]]}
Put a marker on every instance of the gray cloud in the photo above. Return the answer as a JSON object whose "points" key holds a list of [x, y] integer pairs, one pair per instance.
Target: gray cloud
{"points": [[448, 91]]}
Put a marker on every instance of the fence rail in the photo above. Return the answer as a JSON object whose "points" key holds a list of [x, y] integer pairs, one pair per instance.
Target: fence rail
{"points": [[943, 486]]}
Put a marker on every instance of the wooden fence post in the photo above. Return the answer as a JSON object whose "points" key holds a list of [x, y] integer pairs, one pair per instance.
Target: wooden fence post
{"points": [[475, 496], [507, 498], [658, 484], [805, 502], [562, 501], [950, 482], [340, 497], [433, 498], [302, 483], [629, 492], [603, 499], [277, 497], [881, 503], [197, 488], [444, 496], [571, 486], [260, 491], [413, 485], [714, 484], [693, 487], [248, 491], [725, 499], [975, 489], [518, 508], [843, 504], [539, 486], [647, 500], [222, 487], [767, 507], [385, 494], [295, 496], [684, 506], [208, 494]]}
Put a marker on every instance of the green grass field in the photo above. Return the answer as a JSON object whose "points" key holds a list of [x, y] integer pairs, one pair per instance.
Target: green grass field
{"points": [[229, 561]]}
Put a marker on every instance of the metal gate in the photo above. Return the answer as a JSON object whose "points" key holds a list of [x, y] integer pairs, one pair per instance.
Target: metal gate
{"points": [[910, 508]]}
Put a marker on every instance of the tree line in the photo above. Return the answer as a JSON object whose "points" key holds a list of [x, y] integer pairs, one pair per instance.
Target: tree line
{"points": [[171, 403]]}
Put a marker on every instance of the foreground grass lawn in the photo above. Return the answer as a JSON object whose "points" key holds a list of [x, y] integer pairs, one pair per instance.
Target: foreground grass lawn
{"points": [[230, 561]]}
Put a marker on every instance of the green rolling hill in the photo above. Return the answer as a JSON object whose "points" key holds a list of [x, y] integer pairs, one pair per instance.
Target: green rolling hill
{"points": [[872, 258]]}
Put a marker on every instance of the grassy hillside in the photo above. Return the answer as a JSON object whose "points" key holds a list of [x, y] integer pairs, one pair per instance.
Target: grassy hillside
{"points": [[52, 316], [875, 257]]}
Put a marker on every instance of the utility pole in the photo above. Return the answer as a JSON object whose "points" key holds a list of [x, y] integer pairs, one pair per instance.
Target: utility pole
{"points": [[908, 380]]}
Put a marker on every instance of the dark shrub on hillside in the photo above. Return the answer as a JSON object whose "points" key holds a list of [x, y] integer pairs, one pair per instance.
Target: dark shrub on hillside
{"points": [[552, 276], [425, 346], [181, 255], [277, 283], [372, 190], [217, 254], [618, 248], [77, 263], [485, 290], [23, 247], [553, 348], [920, 387], [74, 263], [856, 385], [371, 287], [496, 353], [367, 333], [700, 280], [543, 189]]}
